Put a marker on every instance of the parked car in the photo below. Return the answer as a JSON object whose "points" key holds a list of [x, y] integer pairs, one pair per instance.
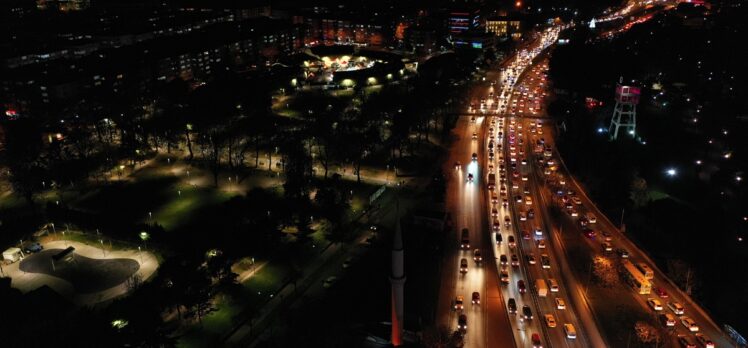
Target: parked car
{"points": [[33, 247]]}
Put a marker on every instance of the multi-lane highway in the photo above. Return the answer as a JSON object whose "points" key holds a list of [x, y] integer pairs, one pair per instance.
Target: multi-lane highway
{"points": [[506, 141]]}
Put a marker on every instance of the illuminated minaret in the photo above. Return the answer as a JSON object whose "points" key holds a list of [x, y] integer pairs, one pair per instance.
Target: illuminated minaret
{"points": [[397, 281]]}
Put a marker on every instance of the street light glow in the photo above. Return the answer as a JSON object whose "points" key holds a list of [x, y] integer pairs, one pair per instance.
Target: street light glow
{"points": [[672, 172]]}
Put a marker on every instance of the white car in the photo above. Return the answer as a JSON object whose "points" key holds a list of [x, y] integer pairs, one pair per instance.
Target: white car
{"points": [[676, 307], [560, 304], [689, 323], [654, 304]]}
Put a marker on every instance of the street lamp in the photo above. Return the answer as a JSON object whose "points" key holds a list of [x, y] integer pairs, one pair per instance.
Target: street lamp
{"points": [[144, 236], [101, 241], [671, 172]]}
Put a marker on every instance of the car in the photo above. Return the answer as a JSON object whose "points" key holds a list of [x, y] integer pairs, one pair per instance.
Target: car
{"points": [[512, 243], [522, 216], [538, 231], [457, 165], [518, 198], [607, 236], [503, 260], [521, 286], [459, 300], [528, 200], [536, 341], [462, 322], [553, 285], [33, 247], [470, 177], [704, 340], [329, 282], [660, 292], [476, 297], [504, 276], [607, 247], [463, 266], [667, 320], [560, 304], [496, 227], [465, 239], [525, 235], [573, 212], [348, 262], [545, 261], [623, 253], [475, 135], [686, 342], [654, 304], [689, 324], [541, 244], [511, 305], [531, 259], [499, 238], [550, 320], [576, 200], [589, 233], [531, 213], [570, 331], [515, 260], [676, 307], [475, 156], [477, 256], [526, 312], [494, 212]]}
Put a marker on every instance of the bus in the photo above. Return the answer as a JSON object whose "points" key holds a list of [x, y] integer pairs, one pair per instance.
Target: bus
{"points": [[645, 270], [634, 278]]}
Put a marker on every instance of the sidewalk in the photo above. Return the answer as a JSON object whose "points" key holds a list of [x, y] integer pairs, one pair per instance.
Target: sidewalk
{"points": [[251, 328]]}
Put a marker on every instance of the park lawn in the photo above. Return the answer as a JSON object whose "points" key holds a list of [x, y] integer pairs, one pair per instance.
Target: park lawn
{"points": [[184, 203], [218, 323], [214, 326], [116, 200], [267, 280]]}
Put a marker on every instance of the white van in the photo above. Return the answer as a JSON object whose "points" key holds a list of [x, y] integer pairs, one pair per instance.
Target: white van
{"points": [[591, 218], [570, 331]]}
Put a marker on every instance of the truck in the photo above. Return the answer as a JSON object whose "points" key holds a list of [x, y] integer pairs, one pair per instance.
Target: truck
{"points": [[491, 181], [541, 287], [12, 255]]}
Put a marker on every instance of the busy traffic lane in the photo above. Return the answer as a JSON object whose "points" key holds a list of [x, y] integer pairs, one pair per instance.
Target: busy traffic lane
{"points": [[620, 241], [466, 204]]}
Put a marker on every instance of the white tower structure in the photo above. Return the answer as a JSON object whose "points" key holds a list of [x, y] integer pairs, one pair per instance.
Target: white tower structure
{"points": [[624, 114], [397, 282]]}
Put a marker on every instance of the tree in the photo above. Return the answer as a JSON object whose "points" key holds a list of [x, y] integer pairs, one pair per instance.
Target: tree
{"points": [[297, 164], [639, 193], [441, 337], [605, 272], [24, 158], [647, 333]]}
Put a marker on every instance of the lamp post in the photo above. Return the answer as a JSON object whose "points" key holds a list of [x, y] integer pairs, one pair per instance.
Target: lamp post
{"points": [[144, 236], [140, 252], [101, 241]]}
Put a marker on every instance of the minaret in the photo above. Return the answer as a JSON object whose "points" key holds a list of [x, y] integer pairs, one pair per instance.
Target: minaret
{"points": [[397, 281]]}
